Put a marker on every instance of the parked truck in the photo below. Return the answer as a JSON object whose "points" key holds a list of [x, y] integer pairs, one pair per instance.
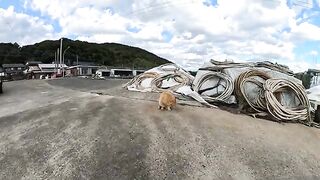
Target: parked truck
{"points": [[1, 78]]}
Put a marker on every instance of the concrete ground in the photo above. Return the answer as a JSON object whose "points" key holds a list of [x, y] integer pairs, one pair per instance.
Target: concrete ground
{"points": [[62, 129]]}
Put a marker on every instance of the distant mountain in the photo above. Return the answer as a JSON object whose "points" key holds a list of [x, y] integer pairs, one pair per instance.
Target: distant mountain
{"points": [[110, 54]]}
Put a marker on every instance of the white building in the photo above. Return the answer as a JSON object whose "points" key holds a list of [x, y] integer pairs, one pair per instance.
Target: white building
{"points": [[82, 70], [121, 72], [51, 68]]}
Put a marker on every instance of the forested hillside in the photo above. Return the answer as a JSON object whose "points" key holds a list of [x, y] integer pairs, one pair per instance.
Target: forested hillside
{"points": [[110, 54]]}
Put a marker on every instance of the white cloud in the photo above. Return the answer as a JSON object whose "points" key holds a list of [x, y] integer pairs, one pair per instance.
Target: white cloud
{"points": [[242, 29], [58, 9], [101, 38], [22, 28], [313, 53], [305, 31], [298, 66], [90, 21], [302, 66]]}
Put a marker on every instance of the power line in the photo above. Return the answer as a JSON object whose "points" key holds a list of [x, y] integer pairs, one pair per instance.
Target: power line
{"points": [[150, 6], [159, 6], [301, 3]]}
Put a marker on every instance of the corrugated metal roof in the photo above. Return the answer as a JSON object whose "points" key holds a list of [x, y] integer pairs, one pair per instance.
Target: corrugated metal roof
{"points": [[13, 65], [314, 70], [84, 63], [51, 66], [84, 66], [33, 63]]}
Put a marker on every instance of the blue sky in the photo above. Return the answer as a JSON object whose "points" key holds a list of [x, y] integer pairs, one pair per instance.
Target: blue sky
{"points": [[185, 31], [19, 7]]}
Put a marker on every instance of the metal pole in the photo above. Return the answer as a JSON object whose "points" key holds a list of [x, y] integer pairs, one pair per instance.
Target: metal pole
{"points": [[61, 52], [63, 60], [58, 69], [77, 65], [55, 62], [62, 65]]}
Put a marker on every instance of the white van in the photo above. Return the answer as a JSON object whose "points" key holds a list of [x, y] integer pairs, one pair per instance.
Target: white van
{"points": [[102, 74]]}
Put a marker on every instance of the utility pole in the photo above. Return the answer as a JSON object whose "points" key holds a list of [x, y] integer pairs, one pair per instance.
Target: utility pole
{"points": [[77, 60], [58, 61], [77, 65], [55, 62], [61, 52], [63, 60]]}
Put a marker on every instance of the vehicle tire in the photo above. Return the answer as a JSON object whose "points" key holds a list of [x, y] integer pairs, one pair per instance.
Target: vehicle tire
{"points": [[317, 115], [1, 87]]}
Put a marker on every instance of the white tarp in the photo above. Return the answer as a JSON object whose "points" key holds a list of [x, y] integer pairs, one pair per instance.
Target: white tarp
{"points": [[212, 87], [146, 83], [160, 70], [287, 98], [186, 90], [315, 81], [314, 96]]}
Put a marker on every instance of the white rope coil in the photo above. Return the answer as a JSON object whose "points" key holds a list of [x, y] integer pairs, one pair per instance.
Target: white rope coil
{"points": [[181, 78], [300, 113], [258, 104], [159, 76], [166, 67], [139, 78], [224, 96]]}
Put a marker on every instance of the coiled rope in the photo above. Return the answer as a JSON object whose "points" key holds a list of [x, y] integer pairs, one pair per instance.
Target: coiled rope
{"points": [[181, 78], [300, 113], [228, 88], [139, 78], [168, 71], [251, 76], [166, 67]]}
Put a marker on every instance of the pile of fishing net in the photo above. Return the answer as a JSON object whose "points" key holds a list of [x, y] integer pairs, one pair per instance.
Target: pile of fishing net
{"points": [[166, 77], [261, 88]]}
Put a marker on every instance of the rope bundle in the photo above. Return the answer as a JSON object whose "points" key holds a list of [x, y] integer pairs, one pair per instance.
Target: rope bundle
{"points": [[139, 78], [228, 88], [281, 112], [250, 76], [253, 88], [269, 93], [164, 67], [181, 78], [169, 71]]}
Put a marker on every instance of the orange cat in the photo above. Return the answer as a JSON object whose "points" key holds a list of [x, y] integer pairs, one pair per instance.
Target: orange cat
{"points": [[167, 100]]}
